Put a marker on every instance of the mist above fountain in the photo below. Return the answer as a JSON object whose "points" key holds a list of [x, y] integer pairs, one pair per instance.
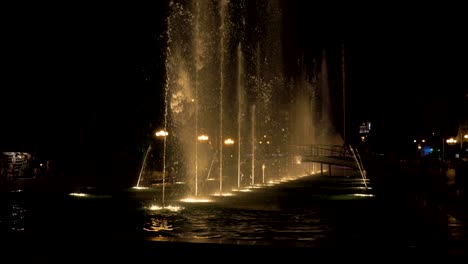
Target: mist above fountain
{"points": [[226, 81]]}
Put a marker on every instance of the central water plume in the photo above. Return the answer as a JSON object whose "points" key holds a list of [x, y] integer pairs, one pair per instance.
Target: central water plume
{"points": [[229, 102]]}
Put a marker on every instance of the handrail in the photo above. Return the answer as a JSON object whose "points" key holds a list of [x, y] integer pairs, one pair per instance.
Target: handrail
{"points": [[323, 150], [333, 151]]}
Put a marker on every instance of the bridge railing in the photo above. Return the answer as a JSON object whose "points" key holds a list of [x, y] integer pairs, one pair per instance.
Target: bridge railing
{"points": [[322, 150], [330, 151]]}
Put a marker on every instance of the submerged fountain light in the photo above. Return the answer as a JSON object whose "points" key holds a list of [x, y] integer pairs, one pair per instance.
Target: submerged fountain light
{"points": [[223, 194], [139, 188], [196, 200], [79, 194], [363, 195], [169, 207]]}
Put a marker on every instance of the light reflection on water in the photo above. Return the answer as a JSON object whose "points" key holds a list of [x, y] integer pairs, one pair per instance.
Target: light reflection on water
{"points": [[220, 225], [17, 218], [268, 215], [290, 215]]}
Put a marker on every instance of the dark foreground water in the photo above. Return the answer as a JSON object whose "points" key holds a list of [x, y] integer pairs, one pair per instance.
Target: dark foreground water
{"points": [[312, 216]]}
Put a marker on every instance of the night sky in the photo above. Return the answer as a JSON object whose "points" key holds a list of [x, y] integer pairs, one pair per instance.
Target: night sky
{"points": [[89, 77]]}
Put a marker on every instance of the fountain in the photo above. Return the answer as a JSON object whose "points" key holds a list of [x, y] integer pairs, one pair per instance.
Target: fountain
{"points": [[226, 78], [224, 63], [240, 99], [143, 167]]}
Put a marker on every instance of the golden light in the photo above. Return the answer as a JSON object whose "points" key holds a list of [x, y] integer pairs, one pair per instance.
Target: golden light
{"points": [[465, 136], [297, 159], [451, 141], [162, 133], [228, 141], [139, 188], [196, 200], [170, 208], [203, 138]]}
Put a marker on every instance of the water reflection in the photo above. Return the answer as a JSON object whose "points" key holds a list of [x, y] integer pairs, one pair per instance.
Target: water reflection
{"points": [[307, 212], [15, 218], [220, 225]]}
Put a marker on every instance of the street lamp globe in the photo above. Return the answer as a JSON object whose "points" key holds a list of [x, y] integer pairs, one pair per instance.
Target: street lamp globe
{"points": [[162, 133]]}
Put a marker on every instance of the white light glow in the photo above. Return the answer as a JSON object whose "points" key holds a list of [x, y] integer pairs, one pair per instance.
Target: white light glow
{"points": [[162, 133], [223, 194], [170, 208], [139, 188], [451, 141], [196, 200], [78, 194], [363, 195], [203, 137]]}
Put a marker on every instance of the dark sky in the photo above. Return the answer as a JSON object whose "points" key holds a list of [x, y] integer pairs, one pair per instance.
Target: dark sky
{"points": [[72, 67], [70, 71], [407, 63]]}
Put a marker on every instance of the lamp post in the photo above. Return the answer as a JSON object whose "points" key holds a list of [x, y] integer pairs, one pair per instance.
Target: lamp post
{"points": [[462, 135], [163, 134], [451, 141], [443, 149], [463, 138]]}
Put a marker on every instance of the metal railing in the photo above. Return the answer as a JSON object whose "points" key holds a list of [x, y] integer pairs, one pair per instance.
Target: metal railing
{"points": [[322, 150]]}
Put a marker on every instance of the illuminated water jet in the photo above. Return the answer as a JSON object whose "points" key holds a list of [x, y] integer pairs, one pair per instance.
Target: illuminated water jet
{"points": [[226, 75], [143, 166]]}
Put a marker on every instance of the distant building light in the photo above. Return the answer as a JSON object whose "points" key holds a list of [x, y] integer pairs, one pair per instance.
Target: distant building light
{"points": [[364, 128]]}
